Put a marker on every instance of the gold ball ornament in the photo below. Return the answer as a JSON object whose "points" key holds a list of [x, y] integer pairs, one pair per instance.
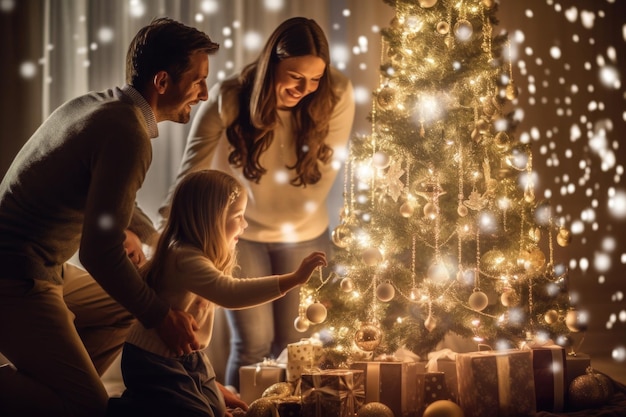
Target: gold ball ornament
{"points": [[430, 210], [443, 408], [368, 337], [279, 389], [576, 321], [551, 316], [449, 41], [564, 237], [587, 391], [510, 298], [262, 407], [535, 260], [374, 409], [341, 236], [511, 91], [385, 292], [463, 30], [407, 209], [488, 3], [443, 28], [462, 211], [478, 301], [385, 97], [372, 256], [301, 324], [316, 313], [346, 285], [502, 140]]}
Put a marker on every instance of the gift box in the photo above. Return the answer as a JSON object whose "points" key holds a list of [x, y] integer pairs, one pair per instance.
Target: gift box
{"points": [[392, 383], [576, 364], [431, 387], [332, 393], [496, 383], [549, 374], [445, 361], [302, 356], [254, 379]]}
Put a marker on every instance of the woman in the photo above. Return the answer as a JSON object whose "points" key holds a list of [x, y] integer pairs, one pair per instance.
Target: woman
{"points": [[279, 127]]}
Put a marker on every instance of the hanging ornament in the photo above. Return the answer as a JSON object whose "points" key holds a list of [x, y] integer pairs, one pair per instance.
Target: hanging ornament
{"points": [[488, 3], [385, 97], [449, 41], [374, 409], [407, 209], [372, 256], [478, 300], [341, 236], [534, 233], [301, 324], [381, 160], [430, 323], [502, 140], [589, 391], [463, 30], [511, 90], [510, 298], [438, 272], [316, 313], [443, 28], [551, 316], [535, 260], [462, 210], [575, 320], [564, 237], [430, 211], [443, 408], [347, 285], [368, 337], [385, 292]]}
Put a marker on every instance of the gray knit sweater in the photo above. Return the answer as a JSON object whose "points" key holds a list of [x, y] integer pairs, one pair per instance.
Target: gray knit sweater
{"points": [[73, 187]]}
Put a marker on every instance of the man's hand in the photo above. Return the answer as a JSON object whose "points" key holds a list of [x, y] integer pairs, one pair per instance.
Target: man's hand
{"points": [[134, 249], [233, 402], [177, 332]]}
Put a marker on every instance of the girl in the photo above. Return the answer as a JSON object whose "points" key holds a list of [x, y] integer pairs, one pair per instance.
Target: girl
{"points": [[191, 269]]}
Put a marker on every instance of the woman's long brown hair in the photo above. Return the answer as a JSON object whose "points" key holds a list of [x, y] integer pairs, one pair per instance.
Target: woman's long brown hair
{"points": [[251, 133]]}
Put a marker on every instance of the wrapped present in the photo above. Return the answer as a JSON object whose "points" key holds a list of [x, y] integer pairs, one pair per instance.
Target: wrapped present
{"points": [[332, 393], [254, 379], [431, 387], [549, 374], [301, 356], [392, 383], [444, 360], [496, 383], [576, 364]]}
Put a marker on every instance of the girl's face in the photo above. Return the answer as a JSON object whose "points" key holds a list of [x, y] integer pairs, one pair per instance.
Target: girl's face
{"points": [[235, 221], [296, 78]]}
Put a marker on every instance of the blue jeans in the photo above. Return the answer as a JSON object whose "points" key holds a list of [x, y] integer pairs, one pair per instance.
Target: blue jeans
{"points": [[264, 331]]}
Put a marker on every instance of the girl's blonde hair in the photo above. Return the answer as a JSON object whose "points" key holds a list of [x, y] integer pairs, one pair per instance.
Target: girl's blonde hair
{"points": [[197, 218]]}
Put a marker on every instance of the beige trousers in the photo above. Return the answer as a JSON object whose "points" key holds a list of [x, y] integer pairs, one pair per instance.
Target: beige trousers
{"points": [[61, 339]]}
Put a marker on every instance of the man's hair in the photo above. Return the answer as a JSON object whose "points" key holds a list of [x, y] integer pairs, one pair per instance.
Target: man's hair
{"points": [[164, 45]]}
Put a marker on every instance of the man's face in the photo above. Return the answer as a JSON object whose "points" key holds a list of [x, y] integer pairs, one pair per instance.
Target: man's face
{"points": [[175, 104]]}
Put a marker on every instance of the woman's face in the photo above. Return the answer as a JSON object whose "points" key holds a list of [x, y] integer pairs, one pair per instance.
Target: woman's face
{"points": [[297, 77]]}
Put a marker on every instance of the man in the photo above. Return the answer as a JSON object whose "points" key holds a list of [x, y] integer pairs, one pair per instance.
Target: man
{"points": [[73, 187]]}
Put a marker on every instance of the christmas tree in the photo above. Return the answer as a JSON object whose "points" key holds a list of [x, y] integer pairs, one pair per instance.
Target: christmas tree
{"points": [[441, 231]]}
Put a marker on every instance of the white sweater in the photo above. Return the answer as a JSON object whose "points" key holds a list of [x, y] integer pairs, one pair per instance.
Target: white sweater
{"points": [[193, 284], [277, 211]]}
